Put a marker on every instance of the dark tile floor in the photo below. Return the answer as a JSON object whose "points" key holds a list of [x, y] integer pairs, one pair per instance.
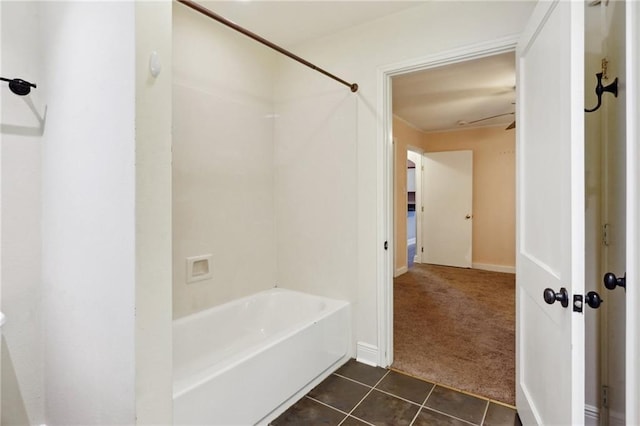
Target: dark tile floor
{"points": [[358, 394]]}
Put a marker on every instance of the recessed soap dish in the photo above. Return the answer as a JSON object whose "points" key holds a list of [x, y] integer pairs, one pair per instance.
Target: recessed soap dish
{"points": [[199, 268]]}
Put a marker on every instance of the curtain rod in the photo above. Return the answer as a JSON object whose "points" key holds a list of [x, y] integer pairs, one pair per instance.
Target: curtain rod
{"points": [[195, 6]]}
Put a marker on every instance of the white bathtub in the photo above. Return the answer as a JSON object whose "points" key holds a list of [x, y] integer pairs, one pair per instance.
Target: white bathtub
{"points": [[242, 362]]}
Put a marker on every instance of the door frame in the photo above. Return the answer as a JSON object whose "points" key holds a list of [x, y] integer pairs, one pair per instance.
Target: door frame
{"points": [[419, 152], [385, 175], [632, 405]]}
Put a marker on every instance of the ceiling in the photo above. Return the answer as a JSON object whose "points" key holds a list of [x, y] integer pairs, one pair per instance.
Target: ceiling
{"points": [[289, 22], [431, 100], [454, 96]]}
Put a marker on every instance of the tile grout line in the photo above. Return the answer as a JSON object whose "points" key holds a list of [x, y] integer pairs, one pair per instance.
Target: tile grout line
{"points": [[327, 405], [367, 394], [484, 416], [358, 382], [399, 397], [422, 405], [449, 415], [346, 415]]}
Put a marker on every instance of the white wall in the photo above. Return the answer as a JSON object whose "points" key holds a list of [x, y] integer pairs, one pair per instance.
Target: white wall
{"points": [[22, 335], [222, 162], [356, 55], [88, 194]]}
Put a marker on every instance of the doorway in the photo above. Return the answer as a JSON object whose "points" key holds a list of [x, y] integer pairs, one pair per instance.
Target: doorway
{"points": [[457, 129]]}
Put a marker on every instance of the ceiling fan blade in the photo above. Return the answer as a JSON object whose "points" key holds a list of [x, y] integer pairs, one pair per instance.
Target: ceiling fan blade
{"points": [[511, 126], [489, 118]]}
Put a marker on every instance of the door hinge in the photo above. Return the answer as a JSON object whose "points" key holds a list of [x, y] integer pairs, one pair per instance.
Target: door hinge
{"points": [[605, 64], [386, 245], [422, 249], [422, 168], [605, 396], [422, 208], [605, 234]]}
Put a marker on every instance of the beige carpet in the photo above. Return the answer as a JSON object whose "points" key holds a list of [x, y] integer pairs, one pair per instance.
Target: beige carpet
{"points": [[456, 327]]}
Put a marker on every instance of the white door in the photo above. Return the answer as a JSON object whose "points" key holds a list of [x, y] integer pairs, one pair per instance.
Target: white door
{"points": [[550, 215], [447, 188]]}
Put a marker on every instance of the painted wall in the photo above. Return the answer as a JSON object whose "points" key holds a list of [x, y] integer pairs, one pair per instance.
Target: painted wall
{"points": [[86, 243], [223, 178], [356, 54], [21, 148], [88, 211]]}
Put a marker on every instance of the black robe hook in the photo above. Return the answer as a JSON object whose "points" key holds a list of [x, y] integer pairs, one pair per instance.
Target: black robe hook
{"points": [[19, 86], [600, 89]]}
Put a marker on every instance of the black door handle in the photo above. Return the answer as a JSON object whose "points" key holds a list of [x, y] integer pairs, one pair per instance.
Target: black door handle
{"points": [[611, 281], [593, 299], [551, 296]]}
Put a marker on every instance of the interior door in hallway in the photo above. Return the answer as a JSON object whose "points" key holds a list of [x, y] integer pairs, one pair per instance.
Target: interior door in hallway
{"points": [[550, 353], [447, 188]]}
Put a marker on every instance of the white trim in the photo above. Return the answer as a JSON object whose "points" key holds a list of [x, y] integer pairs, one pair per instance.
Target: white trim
{"points": [[418, 152], [367, 354], [591, 415], [401, 270], [384, 181], [494, 268]]}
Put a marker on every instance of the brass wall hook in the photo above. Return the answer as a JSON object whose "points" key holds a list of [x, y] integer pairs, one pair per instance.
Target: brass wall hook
{"points": [[600, 89]]}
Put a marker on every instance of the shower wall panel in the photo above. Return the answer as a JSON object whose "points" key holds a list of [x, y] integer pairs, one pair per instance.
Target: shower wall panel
{"points": [[222, 162]]}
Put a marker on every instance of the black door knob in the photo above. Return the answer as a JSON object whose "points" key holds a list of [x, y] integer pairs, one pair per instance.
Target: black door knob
{"points": [[593, 299], [611, 281], [551, 296]]}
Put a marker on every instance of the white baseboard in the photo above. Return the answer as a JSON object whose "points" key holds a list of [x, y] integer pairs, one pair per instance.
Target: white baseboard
{"points": [[367, 354], [494, 268], [591, 415], [400, 271]]}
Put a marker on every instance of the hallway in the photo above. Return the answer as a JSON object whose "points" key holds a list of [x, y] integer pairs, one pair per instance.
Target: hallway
{"points": [[456, 327]]}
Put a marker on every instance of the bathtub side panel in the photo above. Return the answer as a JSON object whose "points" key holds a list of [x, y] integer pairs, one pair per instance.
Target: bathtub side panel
{"points": [[249, 391]]}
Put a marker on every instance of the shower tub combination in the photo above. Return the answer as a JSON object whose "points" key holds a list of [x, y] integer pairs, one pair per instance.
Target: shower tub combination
{"points": [[244, 362]]}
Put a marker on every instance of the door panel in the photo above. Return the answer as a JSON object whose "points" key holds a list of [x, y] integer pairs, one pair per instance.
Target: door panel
{"points": [[447, 187], [550, 215]]}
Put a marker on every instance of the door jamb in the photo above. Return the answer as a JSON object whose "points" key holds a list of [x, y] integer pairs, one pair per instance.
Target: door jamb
{"points": [[632, 404], [385, 221], [418, 183]]}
